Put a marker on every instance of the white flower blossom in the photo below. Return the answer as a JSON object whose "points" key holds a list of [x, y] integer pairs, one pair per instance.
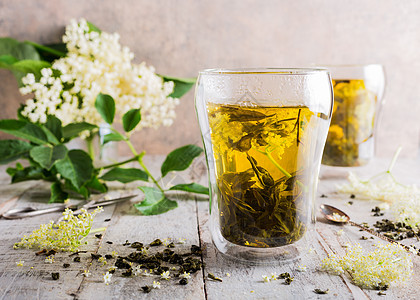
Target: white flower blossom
{"points": [[156, 285], [265, 278], [185, 275], [181, 241], [302, 268], [107, 278], [165, 275], [97, 63], [404, 200], [137, 270]]}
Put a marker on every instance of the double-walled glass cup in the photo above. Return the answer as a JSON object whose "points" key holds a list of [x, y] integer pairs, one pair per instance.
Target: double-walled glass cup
{"points": [[264, 132], [358, 91]]}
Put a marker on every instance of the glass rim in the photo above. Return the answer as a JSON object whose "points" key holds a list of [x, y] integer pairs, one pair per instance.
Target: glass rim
{"points": [[330, 66], [265, 71]]}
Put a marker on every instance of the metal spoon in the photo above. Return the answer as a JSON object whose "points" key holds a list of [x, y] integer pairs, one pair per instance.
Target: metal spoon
{"points": [[335, 215], [23, 212]]}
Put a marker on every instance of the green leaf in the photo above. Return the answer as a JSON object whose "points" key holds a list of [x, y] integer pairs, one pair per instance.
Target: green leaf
{"points": [[112, 137], [96, 185], [21, 58], [50, 136], [93, 27], [125, 175], [25, 130], [21, 68], [76, 167], [105, 105], [180, 159], [182, 85], [53, 124], [49, 52], [57, 194], [131, 119], [192, 188], [154, 202], [19, 50], [46, 156], [28, 173], [6, 61], [74, 129], [11, 150], [82, 191]]}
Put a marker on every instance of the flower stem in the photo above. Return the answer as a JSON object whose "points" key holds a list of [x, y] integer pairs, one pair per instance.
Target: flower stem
{"points": [[287, 174], [140, 161], [90, 147], [394, 159], [134, 158]]}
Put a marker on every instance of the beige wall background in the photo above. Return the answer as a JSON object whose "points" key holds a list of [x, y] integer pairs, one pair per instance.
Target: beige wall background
{"points": [[180, 38]]}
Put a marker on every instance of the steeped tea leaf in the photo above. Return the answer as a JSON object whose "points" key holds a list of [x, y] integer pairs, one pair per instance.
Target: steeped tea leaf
{"points": [[260, 195]]}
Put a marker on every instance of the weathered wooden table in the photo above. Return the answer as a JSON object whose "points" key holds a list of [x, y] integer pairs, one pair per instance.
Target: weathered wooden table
{"points": [[189, 221]]}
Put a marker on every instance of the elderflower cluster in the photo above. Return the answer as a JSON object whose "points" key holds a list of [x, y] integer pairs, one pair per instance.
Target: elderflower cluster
{"points": [[386, 265], [66, 235], [97, 63], [404, 199]]}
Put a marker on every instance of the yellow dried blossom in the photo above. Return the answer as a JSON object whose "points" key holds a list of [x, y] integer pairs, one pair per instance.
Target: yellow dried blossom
{"points": [[386, 265], [20, 263], [49, 259], [66, 235], [102, 260]]}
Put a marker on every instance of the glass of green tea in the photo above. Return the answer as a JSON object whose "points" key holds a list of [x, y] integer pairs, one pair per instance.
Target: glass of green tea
{"points": [[358, 91], [264, 132]]}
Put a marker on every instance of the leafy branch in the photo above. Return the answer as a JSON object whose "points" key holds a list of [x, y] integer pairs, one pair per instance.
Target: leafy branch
{"points": [[72, 171]]}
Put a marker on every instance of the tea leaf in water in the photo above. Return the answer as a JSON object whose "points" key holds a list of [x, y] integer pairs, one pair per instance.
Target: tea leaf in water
{"points": [[256, 153]]}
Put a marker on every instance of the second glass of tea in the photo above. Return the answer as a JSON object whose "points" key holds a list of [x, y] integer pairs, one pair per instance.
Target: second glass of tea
{"points": [[358, 91], [264, 132]]}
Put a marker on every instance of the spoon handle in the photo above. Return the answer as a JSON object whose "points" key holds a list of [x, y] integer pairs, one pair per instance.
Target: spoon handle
{"points": [[378, 235], [18, 214]]}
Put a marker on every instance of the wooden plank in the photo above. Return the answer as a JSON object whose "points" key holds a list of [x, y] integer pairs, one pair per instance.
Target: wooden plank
{"points": [[407, 172], [34, 280], [127, 224], [245, 280]]}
